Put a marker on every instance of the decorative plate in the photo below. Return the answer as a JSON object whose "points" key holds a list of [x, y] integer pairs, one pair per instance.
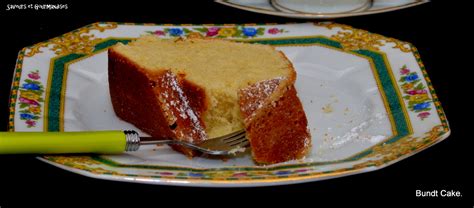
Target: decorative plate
{"points": [[275, 7], [367, 97]]}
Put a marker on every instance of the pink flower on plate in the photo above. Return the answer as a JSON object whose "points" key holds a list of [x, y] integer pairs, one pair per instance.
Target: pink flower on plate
{"points": [[404, 71], [159, 33], [212, 31], [242, 174], [30, 122], [301, 170], [273, 31], [417, 92], [423, 115], [34, 75], [28, 101], [166, 173]]}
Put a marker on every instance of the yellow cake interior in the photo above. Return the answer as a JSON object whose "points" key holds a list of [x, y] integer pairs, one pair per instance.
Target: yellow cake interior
{"points": [[220, 67]]}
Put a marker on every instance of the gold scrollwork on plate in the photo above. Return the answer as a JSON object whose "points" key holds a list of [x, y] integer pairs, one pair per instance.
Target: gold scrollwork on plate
{"points": [[85, 163], [391, 151], [72, 159], [356, 39], [77, 41]]}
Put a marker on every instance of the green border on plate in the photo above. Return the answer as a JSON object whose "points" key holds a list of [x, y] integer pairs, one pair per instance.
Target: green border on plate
{"points": [[54, 99]]}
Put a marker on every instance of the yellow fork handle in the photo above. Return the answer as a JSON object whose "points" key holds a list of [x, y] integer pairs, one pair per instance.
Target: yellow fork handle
{"points": [[102, 142]]}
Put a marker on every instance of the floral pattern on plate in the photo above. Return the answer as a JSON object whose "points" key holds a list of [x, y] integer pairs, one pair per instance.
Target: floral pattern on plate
{"points": [[218, 32], [30, 99], [415, 93]]}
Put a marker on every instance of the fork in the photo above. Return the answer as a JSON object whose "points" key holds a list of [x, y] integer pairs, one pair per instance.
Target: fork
{"points": [[109, 142], [224, 145]]}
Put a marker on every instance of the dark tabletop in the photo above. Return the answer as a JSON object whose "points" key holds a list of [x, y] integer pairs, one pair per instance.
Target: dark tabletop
{"points": [[24, 179]]}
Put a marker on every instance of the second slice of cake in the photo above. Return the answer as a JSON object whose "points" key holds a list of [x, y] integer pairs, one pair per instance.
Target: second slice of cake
{"points": [[195, 89]]}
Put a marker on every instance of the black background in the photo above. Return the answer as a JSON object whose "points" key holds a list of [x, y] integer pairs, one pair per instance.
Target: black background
{"points": [[434, 28]]}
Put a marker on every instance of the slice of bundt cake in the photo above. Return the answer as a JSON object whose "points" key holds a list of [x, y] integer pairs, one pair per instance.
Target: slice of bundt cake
{"points": [[194, 89]]}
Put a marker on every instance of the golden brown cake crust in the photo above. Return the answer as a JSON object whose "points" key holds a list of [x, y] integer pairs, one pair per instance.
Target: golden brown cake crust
{"points": [[275, 121], [278, 130], [159, 103]]}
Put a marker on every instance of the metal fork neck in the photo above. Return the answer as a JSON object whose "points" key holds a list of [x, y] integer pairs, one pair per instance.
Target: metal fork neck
{"points": [[132, 140]]}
